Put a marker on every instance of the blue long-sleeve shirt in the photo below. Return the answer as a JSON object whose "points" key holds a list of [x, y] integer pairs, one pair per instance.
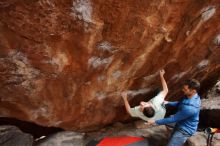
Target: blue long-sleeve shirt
{"points": [[187, 116]]}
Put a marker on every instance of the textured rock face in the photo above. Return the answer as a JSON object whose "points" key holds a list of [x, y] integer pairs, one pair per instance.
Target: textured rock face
{"points": [[64, 63]]}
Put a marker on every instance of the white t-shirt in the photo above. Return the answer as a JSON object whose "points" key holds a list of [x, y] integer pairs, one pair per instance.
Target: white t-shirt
{"points": [[158, 106]]}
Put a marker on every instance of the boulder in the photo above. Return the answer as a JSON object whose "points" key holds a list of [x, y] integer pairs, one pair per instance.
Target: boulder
{"points": [[65, 63]]}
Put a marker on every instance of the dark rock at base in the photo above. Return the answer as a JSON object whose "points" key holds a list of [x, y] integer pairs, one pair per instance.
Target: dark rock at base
{"points": [[200, 139], [12, 136], [66, 138]]}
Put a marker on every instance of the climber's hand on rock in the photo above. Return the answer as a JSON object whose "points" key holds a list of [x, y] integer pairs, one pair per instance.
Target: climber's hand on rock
{"points": [[162, 72], [124, 95]]}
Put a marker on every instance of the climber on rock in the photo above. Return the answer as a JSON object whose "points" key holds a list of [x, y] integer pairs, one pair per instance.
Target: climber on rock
{"points": [[153, 109]]}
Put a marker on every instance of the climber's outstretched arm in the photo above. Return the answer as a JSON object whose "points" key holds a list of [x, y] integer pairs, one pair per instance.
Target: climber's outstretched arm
{"points": [[163, 82], [125, 99]]}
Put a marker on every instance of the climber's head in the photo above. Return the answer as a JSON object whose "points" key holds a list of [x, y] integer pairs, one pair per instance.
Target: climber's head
{"points": [[147, 109]]}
